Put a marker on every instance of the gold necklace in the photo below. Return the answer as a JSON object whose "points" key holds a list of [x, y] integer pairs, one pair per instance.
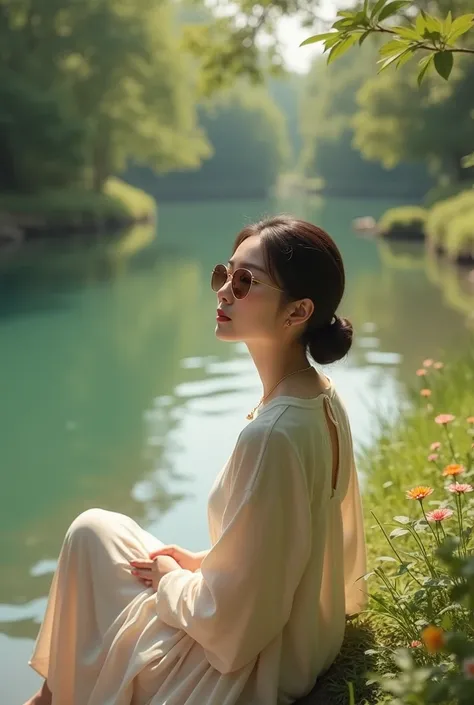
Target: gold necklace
{"points": [[250, 415]]}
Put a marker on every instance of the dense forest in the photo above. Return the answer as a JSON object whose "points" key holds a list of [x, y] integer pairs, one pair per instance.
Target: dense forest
{"points": [[92, 90]]}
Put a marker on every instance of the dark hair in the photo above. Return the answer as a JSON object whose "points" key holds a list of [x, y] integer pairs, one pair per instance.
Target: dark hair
{"points": [[306, 263]]}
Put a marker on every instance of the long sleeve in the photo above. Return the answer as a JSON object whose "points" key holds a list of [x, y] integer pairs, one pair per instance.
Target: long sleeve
{"points": [[242, 597]]}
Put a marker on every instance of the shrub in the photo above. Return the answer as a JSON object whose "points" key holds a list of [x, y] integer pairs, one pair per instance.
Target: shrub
{"points": [[405, 221], [442, 217], [442, 193]]}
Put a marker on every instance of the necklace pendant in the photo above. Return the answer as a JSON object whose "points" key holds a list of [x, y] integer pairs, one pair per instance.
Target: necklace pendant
{"points": [[250, 415]]}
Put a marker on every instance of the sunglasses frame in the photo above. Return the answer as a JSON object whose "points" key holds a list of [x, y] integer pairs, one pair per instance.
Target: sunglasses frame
{"points": [[232, 275]]}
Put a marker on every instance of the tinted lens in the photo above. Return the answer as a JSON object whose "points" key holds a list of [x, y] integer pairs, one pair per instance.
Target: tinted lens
{"points": [[219, 277], [241, 283]]}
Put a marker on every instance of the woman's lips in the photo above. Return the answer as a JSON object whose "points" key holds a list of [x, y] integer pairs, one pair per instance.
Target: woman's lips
{"points": [[221, 317]]}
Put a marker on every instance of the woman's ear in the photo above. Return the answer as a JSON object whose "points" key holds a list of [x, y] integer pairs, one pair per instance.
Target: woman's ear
{"points": [[301, 311]]}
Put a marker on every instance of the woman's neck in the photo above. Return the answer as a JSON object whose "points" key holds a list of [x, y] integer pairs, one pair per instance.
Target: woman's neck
{"points": [[273, 364]]}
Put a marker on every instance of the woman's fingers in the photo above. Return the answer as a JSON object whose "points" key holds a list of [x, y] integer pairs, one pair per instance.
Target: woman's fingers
{"points": [[165, 551], [143, 564]]}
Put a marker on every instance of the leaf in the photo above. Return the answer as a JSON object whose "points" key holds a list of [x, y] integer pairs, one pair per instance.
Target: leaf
{"points": [[460, 26], [425, 64], [377, 8], [409, 54], [401, 519], [393, 47], [342, 47], [443, 61], [387, 62], [433, 24], [364, 36], [408, 33], [448, 23], [345, 13], [398, 532], [392, 8], [318, 38], [387, 559], [467, 161]]}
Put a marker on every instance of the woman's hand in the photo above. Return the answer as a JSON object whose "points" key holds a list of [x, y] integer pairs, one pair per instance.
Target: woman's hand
{"points": [[188, 560], [150, 572]]}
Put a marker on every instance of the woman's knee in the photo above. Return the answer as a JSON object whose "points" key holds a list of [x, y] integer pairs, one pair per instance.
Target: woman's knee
{"points": [[90, 522]]}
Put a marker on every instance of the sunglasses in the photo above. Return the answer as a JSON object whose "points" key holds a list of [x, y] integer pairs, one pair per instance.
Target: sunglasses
{"points": [[242, 280]]}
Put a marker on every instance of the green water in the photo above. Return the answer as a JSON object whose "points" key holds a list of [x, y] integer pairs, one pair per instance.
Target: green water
{"points": [[114, 391]]}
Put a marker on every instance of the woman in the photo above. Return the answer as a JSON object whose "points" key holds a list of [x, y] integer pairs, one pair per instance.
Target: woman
{"points": [[256, 619]]}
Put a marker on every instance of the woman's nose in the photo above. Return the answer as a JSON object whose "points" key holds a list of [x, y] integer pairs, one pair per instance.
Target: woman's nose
{"points": [[225, 292]]}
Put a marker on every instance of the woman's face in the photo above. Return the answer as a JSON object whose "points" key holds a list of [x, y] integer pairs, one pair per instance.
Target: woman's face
{"points": [[259, 316]]}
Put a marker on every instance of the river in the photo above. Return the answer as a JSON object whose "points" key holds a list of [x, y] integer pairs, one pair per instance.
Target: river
{"points": [[115, 392]]}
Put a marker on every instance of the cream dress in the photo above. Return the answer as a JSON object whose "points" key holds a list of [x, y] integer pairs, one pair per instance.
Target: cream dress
{"points": [[265, 614]]}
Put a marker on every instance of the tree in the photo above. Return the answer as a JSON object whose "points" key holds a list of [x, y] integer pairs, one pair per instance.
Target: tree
{"points": [[126, 83]]}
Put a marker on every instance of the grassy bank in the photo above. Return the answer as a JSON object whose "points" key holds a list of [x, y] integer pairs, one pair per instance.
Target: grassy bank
{"points": [[70, 210], [447, 226], [397, 461]]}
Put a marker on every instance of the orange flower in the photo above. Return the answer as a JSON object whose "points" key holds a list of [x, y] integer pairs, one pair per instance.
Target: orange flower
{"points": [[420, 492], [425, 392], [438, 365], [470, 419], [421, 372], [453, 469], [433, 638], [458, 488], [444, 418], [435, 446], [439, 514], [415, 643]]}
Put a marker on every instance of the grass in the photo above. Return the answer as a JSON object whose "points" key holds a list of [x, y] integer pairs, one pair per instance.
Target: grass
{"points": [[394, 463], [118, 200]]}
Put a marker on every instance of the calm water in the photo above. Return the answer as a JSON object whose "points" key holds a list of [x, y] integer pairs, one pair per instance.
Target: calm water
{"points": [[114, 391]]}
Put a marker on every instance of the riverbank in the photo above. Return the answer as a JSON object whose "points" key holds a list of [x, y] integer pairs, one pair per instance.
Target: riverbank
{"points": [[411, 451], [60, 213], [447, 227]]}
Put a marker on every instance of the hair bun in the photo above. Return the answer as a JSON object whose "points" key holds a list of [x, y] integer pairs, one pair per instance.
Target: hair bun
{"points": [[332, 342]]}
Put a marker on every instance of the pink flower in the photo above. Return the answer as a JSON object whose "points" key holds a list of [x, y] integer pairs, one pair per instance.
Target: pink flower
{"points": [[415, 644], [435, 446], [459, 488], [438, 365], [468, 668], [444, 418], [421, 372], [425, 392], [427, 363], [432, 457], [439, 515]]}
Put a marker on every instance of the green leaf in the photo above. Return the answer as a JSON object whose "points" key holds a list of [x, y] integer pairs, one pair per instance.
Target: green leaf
{"points": [[319, 38], [342, 47], [433, 24], [366, 7], [388, 559], [448, 23], [398, 532], [392, 8], [408, 33], [420, 24], [345, 13], [467, 161], [393, 47], [391, 59], [331, 41], [425, 65], [405, 57], [376, 8], [401, 519], [443, 61], [460, 26], [364, 36]]}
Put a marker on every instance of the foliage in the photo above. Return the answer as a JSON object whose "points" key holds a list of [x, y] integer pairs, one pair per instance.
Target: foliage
{"points": [[249, 140], [398, 121], [445, 191], [327, 125], [406, 219], [113, 86], [424, 587], [119, 200], [427, 33], [450, 225]]}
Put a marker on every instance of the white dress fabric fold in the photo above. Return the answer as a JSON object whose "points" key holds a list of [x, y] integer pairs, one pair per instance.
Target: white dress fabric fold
{"points": [[265, 614]]}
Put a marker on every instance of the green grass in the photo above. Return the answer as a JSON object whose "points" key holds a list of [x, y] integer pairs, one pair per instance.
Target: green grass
{"points": [[118, 200], [394, 463]]}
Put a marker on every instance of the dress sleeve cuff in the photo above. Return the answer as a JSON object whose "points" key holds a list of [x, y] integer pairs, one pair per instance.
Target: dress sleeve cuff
{"points": [[170, 594]]}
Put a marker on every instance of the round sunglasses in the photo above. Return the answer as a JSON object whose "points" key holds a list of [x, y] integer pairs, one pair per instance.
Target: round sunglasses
{"points": [[242, 280]]}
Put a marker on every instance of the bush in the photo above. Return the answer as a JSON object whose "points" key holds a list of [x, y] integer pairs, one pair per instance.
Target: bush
{"points": [[450, 224], [118, 201], [404, 222], [442, 193]]}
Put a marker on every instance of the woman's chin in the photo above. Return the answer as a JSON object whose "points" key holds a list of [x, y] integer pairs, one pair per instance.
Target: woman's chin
{"points": [[224, 334]]}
